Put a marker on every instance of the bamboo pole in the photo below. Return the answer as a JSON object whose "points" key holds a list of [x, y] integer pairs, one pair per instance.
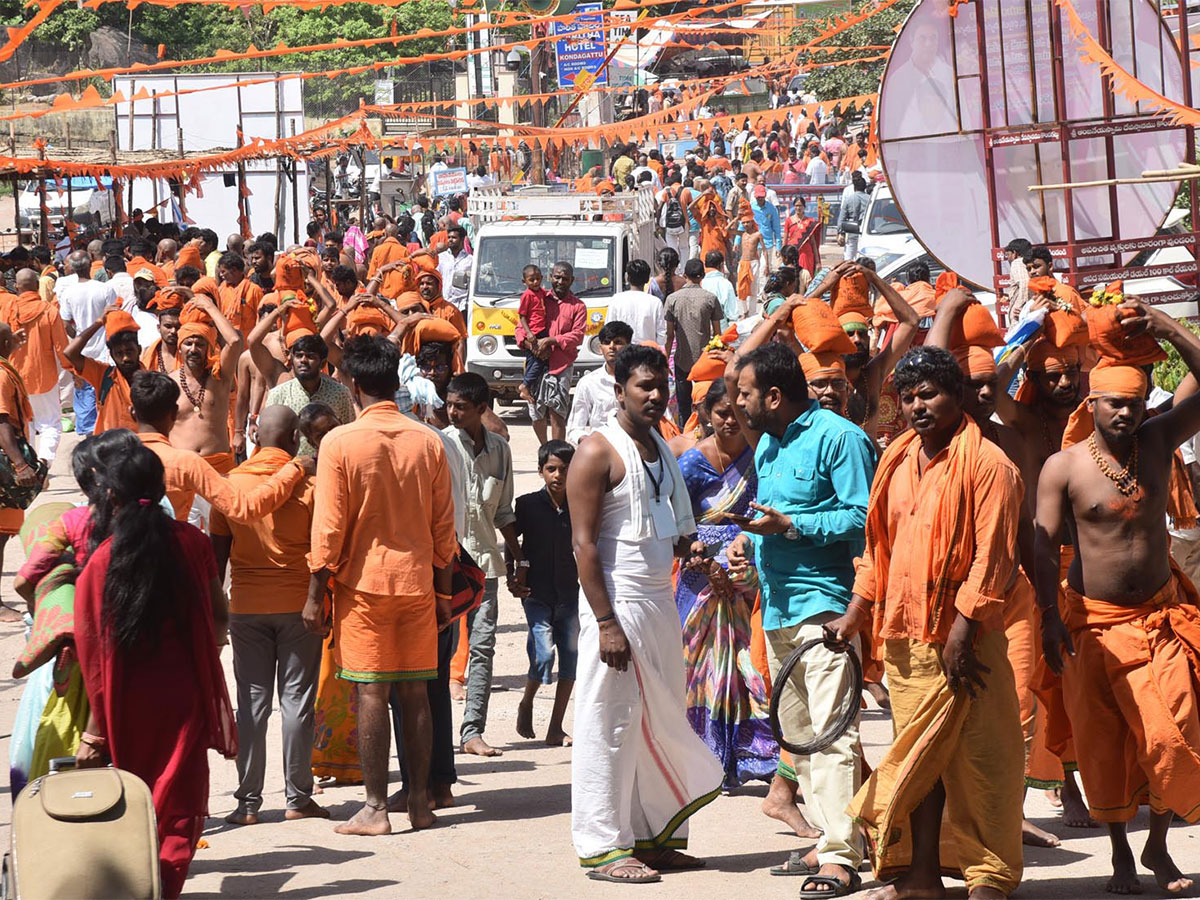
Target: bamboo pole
{"points": [[1182, 175]]}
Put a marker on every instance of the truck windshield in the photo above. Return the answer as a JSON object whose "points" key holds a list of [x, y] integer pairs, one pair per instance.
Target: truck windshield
{"points": [[501, 258]]}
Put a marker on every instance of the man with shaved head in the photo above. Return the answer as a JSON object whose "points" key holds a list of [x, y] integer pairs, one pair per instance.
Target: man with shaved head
{"points": [[270, 642], [165, 258], [235, 243], [95, 251], [82, 303]]}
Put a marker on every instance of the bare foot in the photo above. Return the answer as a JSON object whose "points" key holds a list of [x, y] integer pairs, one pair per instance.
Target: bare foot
{"points": [[1032, 836], [242, 816], [558, 739], [1124, 879], [908, 888], [419, 815], [317, 789], [8, 614], [477, 746], [780, 804], [1075, 811], [309, 810], [368, 821], [879, 694], [1166, 873], [525, 720], [457, 691], [1054, 795], [398, 802], [441, 797]]}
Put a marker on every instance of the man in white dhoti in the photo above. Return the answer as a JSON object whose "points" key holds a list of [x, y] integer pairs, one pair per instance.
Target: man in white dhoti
{"points": [[638, 770]]}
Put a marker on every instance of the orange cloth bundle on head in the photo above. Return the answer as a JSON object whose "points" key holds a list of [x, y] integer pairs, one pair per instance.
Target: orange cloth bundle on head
{"points": [[428, 330], [1064, 325], [818, 329], [976, 328], [189, 255], [289, 276], [708, 368], [852, 294], [1109, 336], [366, 319], [195, 322], [297, 323], [945, 283], [208, 287], [166, 298]]}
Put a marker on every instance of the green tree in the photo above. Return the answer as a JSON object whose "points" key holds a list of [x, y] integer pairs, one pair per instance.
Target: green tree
{"points": [[831, 82]]}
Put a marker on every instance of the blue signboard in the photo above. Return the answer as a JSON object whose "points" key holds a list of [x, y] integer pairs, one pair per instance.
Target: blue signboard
{"points": [[581, 46]]}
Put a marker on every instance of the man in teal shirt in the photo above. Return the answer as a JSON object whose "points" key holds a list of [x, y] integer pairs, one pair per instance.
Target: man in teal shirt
{"points": [[814, 480]]}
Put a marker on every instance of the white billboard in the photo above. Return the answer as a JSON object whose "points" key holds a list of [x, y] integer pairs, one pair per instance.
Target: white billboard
{"points": [[205, 120]]}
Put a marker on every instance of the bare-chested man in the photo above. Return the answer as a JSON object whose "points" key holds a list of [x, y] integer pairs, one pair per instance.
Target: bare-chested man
{"points": [[1128, 648], [210, 355]]}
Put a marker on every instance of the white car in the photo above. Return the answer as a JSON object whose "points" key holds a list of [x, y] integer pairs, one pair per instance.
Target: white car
{"points": [[884, 230], [90, 205]]}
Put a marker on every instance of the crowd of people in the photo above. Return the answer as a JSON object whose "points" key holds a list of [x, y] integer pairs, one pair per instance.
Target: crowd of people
{"points": [[772, 453]]}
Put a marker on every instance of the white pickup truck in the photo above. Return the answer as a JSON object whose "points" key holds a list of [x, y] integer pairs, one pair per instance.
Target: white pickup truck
{"points": [[597, 235]]}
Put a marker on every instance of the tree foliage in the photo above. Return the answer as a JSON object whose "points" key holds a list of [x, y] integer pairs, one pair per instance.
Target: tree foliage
{"points": [[831, 82]]}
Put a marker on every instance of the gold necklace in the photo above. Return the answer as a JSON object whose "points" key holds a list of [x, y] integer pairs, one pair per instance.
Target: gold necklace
{"points": [[1126, 480]]}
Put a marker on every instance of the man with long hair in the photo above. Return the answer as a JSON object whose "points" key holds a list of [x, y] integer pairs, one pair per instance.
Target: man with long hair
{"points": [[150, 616]]}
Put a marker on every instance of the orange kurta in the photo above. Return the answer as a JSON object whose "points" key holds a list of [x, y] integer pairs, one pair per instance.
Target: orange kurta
{"points": [[45, 339], [395, 282], [186, 474], [14, 403], [1132, 690], [385, 625], [240, 304], [268, 557], [112, 396]]}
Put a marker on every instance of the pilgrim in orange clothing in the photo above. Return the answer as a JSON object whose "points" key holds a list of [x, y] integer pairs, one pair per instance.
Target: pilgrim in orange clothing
{"points": [[389, 251], [189, 255], [163, 354], [111, 383], [1132, 686], [385, 612], [239, 296], [45, 339], [709, 212], [17, 416], [935, 576]]}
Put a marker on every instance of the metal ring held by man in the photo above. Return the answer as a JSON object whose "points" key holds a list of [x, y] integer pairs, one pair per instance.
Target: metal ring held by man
{"points": [[844, 719]]}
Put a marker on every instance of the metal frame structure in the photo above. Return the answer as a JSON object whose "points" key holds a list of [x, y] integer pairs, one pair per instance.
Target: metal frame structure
{"points": [[1064, 132]]}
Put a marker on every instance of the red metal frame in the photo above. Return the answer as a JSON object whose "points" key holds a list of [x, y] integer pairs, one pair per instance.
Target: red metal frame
{"points": [[1063, 133]]}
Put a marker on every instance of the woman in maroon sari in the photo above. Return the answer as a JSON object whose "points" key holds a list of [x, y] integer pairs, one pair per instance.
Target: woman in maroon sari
{"points": [[149, 617]]}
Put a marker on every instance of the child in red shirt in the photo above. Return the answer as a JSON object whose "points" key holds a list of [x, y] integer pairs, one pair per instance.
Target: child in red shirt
{"points": [[532, 315]]}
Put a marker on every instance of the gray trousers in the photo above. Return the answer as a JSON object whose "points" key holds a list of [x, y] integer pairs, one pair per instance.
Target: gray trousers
{"points": [[481, 631], [267, 649]]}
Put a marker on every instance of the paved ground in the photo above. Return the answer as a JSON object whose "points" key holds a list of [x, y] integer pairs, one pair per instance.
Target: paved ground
{"points": [[509, 835]]}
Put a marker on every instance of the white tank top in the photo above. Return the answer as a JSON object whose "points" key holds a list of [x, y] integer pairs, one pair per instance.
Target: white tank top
{"points": [[635, 570]]}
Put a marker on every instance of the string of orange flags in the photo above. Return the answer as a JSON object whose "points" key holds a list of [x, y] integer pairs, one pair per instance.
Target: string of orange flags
{"points": [[17, 36]]}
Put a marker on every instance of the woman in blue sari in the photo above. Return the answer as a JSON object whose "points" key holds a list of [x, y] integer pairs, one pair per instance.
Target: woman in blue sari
{"points": [[727, 696]]}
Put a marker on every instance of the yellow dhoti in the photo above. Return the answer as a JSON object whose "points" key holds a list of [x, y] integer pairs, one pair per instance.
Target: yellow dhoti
{"points": [[974, 747]]}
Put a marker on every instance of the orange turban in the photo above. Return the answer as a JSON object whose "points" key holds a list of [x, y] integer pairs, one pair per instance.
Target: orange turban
{"points": [[409, 299], [289, 276], [852, 295], [195, 322], [975, 361], [822, 365], [298, 322], [116, 321], [1107, 380], [945, 283], [166, 298], [189, 255], [368, 319], [605, 187], [1045, 357], [854, 321], [206, 286]]}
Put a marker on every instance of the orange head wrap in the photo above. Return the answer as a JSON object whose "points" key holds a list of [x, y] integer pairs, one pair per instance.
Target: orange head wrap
{"points": [[822, 365], [206, 286], [854, 321], [368, 320], [975, 361], [289, 276], [945, 283], [189, 255], [1045, 357], [409, 299], [605, 187], [167, 298], [297, 323], [195, 322], [1108, 379], [116, 321]]}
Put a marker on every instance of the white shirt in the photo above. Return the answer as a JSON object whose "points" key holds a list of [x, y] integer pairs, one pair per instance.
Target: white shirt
{"points": [[594, 401], [122, 285], [147, 323], [447, 266], [816, 170], [84, 303], [642, 312], [654, 182]]}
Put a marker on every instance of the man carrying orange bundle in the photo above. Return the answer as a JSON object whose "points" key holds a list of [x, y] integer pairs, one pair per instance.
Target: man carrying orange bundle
{"points": [[708, 210], [205, 382], [396, 279], [429, 287], [36, 359], [1129, 649], [932, 587], [111, 383]]}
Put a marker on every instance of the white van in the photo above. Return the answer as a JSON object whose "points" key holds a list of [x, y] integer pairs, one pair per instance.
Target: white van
{"points": [[597, 235], [91, 206]]}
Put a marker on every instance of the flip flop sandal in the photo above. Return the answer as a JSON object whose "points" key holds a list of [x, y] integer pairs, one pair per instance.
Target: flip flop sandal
{"points": [[836, 887], [596, 875], [795, 865]]}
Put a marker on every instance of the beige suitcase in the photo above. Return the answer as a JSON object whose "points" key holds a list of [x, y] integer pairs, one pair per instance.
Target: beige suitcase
{"points": [[83, 833]]}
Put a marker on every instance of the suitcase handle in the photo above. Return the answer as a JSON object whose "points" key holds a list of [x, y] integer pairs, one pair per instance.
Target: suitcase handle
{"points": [[62, 764]]}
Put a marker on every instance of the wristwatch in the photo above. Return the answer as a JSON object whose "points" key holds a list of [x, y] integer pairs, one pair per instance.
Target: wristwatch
{"points": [[792, 534]]}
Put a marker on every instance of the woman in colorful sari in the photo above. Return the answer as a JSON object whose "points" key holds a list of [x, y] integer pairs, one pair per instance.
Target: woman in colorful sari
{"points": [[727, 695]]}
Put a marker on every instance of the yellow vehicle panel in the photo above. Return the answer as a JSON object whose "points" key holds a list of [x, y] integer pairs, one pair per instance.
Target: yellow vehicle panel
{"points": [[503, 322]]}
